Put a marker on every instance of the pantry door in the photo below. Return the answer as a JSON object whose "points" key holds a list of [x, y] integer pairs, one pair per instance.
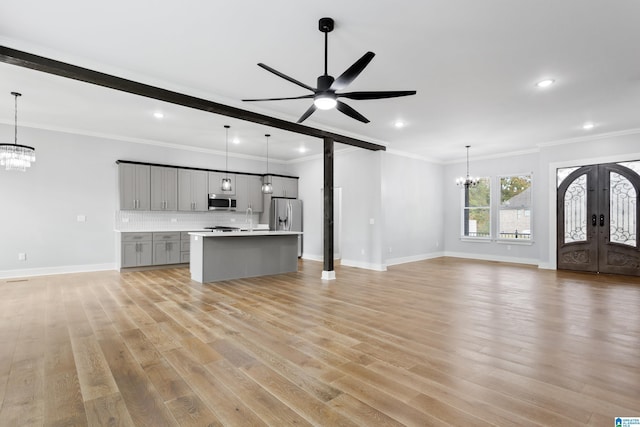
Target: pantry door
{"points": [[597, 212]]}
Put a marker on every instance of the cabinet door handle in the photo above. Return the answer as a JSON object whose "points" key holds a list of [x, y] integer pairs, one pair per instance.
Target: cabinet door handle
{"points": [[594, 220], [601, 220]]}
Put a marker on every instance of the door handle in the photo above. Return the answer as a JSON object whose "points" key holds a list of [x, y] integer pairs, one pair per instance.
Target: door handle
{"points": [[601, 220], [594, 220]]}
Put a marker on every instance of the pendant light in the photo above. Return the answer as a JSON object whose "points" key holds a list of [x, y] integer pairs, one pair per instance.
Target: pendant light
{"points": [[467, 181], [15, 156], [226, 181], [267, 186]]}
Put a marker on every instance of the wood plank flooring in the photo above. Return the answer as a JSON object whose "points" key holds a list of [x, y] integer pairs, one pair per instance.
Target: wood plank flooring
{"points": [[438, 342]]}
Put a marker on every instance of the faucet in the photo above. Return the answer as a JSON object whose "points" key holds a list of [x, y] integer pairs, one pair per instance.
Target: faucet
{"points": [[249, 218]]}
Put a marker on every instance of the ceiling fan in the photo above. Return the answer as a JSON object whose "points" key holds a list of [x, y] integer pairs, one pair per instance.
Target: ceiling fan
{"points": [[325, 96]]}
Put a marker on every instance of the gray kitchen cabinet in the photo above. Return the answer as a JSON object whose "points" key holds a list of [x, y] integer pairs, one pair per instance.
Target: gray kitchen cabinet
{"points": [[185, 246], [248, 193], [192, 190], [284, 187], [164, 188], [133, 180], [136, 249], [215, 183], [166, 248]]}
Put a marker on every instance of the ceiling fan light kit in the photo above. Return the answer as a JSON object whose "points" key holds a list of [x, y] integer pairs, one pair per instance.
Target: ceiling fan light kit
{"points": [[325, 95]]}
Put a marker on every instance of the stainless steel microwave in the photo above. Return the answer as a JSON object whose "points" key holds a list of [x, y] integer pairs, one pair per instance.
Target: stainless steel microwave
{"points": [[222, 204]]}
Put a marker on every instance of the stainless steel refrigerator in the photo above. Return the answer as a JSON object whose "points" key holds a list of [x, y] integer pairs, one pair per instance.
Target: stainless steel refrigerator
{"points": [[286, 215]]}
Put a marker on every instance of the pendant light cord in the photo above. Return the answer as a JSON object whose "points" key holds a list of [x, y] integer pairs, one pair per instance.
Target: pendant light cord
{"points": [[267, 135], [15, 132], [226, 163], [468, 160]]}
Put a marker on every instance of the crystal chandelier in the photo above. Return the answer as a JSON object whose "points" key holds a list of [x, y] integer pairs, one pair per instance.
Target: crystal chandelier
{"points": [[267, 186], [15, 156], [467, 181], [226, 181]]}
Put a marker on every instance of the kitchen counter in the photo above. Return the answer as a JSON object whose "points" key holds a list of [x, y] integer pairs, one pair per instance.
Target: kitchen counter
{"points": [[216, 256]]}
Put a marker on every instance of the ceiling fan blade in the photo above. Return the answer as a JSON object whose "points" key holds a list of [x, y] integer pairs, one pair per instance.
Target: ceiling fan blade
{"points": [[307, 113], [352, 72], [281, 99], [284, 76], [376, 94], [344, 108]]}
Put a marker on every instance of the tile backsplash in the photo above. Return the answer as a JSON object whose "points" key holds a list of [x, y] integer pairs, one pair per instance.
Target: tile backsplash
{"points": [[161, 221]]}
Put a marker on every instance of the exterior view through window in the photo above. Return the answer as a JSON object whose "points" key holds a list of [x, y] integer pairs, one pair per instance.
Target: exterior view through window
{"points": [[515, 207], [476, 215]]}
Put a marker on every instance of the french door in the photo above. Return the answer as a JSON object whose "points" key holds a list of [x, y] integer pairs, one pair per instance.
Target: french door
{"points": [[597, 213]]}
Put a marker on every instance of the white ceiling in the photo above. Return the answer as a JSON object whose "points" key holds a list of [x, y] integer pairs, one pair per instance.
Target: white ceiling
{"points": [[474, 65]]}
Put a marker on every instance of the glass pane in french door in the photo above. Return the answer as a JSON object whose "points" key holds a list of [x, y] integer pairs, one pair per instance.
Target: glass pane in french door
{"points": [[623, 202], [575, 211]]}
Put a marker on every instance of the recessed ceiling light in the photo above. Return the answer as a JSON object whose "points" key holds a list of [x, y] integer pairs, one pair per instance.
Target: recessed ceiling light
{"points": [[302, 150], [236, 140], [399, 124], [588, 126], [158, 115], [545, 83]]}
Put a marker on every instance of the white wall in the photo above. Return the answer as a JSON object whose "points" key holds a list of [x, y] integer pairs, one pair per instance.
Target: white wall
{"points": [[402, 196], [412, 194], [75, 175], [358, 173]]}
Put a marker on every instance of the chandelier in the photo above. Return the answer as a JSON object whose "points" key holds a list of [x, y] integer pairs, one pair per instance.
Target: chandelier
{"points": [[467, 181], [15, 156]]}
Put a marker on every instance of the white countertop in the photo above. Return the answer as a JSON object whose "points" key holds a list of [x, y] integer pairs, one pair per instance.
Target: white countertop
{"points": [[243, 233], [260, 227]]}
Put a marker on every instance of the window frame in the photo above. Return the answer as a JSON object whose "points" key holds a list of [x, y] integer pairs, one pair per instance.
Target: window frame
{"points": [[510, 240], [468, 208]]}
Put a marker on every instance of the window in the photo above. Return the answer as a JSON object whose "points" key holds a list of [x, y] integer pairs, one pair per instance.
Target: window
{"points": [[476, 213], [514, 218]]}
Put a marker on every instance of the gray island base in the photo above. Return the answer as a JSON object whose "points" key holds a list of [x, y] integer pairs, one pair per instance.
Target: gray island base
{"points": [[223, 256]]}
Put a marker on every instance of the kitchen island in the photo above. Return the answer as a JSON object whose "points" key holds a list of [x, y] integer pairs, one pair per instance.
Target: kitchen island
{"points": [[216, 256]]}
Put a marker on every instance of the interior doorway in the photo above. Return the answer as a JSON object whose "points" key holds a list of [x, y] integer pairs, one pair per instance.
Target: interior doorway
{"points": [[597, 217], [337, 221]]}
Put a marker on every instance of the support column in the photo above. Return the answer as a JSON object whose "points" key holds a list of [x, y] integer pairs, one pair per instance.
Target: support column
{"points": [[327, 272]]}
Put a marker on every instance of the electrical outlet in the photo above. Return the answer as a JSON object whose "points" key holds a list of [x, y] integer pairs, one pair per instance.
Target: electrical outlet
{"points": [[390, 249], [508, 247], [371, 221], [81, 218], [362, 251], [22, 256], [125, 219], [174, 219], [437, 244]]}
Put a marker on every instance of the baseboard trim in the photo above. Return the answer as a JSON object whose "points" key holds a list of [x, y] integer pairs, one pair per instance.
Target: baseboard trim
{"points": [[414, 258], [365, 265], [47, 271], [496, 258]]}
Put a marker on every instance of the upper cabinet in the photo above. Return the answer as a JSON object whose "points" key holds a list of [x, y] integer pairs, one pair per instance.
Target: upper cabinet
{"points": [[192, 190], [164, 188], [135, 192], [215, 183], [284, 187], [248, 193]]}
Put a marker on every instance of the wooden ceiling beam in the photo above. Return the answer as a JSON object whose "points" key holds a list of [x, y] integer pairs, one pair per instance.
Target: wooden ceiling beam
{"points": [[51, 66]]}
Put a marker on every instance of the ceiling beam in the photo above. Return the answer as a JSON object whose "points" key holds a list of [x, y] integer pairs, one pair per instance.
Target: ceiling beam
{"points": [[51, 66]]}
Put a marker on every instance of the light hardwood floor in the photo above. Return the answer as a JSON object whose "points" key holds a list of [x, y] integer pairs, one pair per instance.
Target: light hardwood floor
{"points": [[438, 342]]}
